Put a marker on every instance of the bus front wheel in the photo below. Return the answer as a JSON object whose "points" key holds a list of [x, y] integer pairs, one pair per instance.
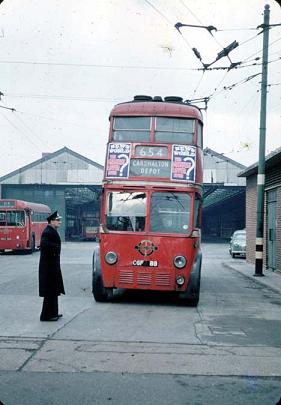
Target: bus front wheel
{"points": [[31, 249], [190, 300], [33, 244], [190, 297], [100, 293]]}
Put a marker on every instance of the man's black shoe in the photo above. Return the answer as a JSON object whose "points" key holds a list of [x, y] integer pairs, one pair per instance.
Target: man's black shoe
{"points": [[59, 315], [55, 318]]}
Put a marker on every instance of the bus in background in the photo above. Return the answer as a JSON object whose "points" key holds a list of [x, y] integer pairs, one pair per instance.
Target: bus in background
{"points": [[90, 226], [21, 224], [151, 200]]}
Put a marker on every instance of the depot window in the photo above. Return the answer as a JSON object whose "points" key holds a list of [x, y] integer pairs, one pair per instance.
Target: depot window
{"points": [[126, 211]]}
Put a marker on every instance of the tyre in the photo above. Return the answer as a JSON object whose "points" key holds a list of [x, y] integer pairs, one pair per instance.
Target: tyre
{"points": [[100, 293], [191, 299], [33, 244], [191, 296], [193, 302], [233, 255]]}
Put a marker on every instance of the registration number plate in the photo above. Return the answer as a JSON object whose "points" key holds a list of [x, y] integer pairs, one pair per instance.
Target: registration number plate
{"points": [[145, 263]]}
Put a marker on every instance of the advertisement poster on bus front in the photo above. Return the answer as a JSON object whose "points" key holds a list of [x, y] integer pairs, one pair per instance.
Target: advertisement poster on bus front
{"points": [[118, 160], [183, 163]]}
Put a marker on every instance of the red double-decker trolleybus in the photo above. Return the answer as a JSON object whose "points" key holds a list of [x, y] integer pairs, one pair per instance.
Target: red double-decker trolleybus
{"points": [[151, 201], [21, 224]]}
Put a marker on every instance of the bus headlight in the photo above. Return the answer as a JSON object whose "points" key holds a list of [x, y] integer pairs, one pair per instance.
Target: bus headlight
{"points": [[111, 257], [180, 280], [179, 262], [17, 237]]}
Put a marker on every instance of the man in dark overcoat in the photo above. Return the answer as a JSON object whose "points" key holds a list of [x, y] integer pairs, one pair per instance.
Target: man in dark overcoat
{"points": [[50, 277]]}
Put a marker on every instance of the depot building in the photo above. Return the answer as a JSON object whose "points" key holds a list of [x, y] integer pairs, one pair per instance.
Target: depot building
{"points": [[65, 181], [71, 183]]}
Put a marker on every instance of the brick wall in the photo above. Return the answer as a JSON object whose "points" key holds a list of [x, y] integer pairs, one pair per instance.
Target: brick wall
{"points": [[272, 183], [278, 230], [251, 219]]}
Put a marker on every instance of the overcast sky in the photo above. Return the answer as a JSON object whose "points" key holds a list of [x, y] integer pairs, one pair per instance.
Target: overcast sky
{"points": [[65, 63]]}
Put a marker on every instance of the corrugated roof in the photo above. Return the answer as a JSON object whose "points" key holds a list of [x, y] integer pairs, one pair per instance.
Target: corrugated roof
{"points": [[47, 157], [208, 151], [271, 159], [214, 195]]}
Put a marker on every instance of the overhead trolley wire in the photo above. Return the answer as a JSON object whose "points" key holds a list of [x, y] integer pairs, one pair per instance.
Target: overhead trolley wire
{"points": [[197, 19], [16, 115], [194, 49], [54, 119], [225, 51], [159, 12], [65, 98], [166, 19], [270, 44], [30, 130], [24, 136], [199, 82], [94, 65]]}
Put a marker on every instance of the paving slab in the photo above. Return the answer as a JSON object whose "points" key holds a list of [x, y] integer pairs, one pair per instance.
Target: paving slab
{"points": [[124, 357], [270, 279]]}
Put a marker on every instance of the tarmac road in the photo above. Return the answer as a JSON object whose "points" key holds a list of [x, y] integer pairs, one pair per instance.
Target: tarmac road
{"points": [[142, 348]]}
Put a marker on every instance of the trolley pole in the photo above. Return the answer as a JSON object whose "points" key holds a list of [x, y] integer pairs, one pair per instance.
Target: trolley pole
{"points": [[261, 166]]}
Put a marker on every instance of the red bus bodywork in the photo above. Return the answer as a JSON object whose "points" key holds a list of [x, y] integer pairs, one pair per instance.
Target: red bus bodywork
{"points": [[21, 224], [163, 179]]}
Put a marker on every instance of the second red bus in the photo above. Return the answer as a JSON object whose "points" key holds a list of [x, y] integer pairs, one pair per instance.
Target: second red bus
{"points": [[21, 224]]}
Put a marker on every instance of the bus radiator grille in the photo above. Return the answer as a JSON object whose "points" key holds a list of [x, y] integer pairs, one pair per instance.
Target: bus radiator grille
{"points": [[144, 278], [163, 279], [126, 277]]}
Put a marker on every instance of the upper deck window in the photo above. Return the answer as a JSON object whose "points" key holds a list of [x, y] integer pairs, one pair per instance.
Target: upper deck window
{"points": [[200, 135], [135, 129], [174, 130]]}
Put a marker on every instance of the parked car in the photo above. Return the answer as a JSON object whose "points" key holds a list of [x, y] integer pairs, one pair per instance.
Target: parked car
{"points": [[237, 246]]}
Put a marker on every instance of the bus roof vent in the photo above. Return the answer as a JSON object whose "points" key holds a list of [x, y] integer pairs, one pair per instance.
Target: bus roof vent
{"points": [[142, 98], [173, 99], [157, 98]]}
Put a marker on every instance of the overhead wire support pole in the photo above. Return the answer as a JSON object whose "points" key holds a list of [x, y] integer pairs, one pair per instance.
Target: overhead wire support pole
{"points": [[261, 164]]}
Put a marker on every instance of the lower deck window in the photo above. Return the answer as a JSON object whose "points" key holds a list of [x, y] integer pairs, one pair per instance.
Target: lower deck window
{"points": [[170, 212], [126, 211], [12, 218]]}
